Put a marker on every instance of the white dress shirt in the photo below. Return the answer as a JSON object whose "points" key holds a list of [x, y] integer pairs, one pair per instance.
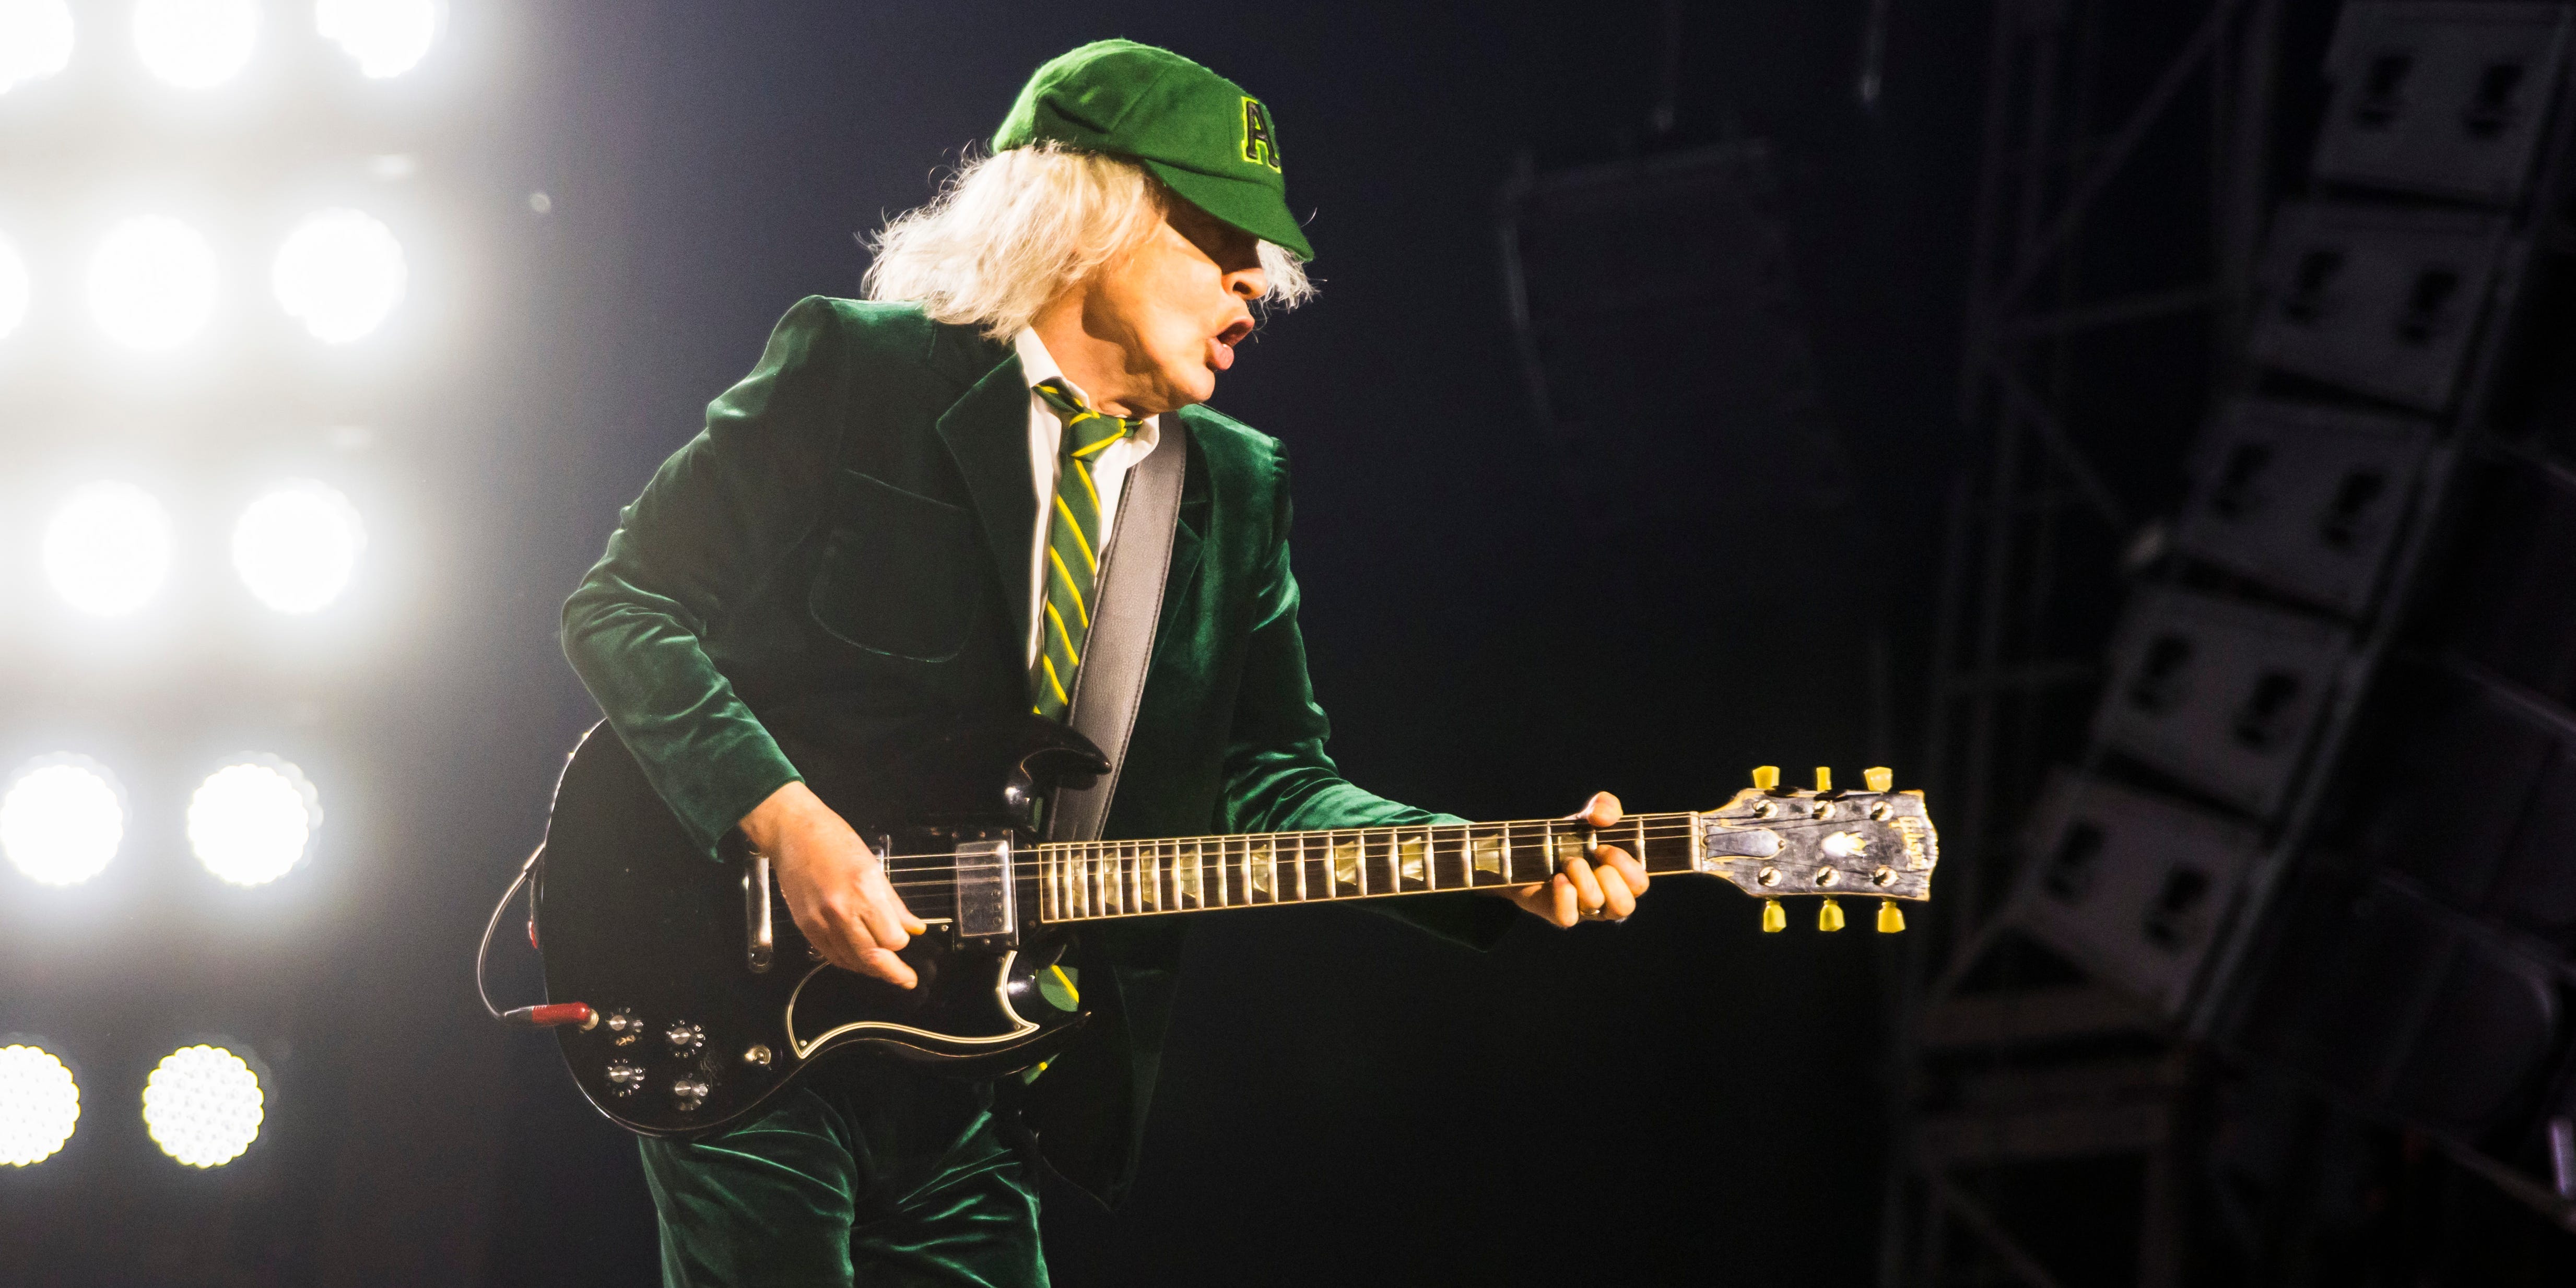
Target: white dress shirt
{"points": [[1046, 439]]}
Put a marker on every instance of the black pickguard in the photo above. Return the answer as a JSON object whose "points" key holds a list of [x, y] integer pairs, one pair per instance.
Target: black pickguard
{"points": [[649, 931]]}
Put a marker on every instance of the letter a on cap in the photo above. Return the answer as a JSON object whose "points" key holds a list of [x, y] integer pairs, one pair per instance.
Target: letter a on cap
{"points": [[1260, 143]]}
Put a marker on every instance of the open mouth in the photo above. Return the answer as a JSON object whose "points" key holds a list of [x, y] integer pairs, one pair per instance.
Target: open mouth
{"points": [[1221, 347]]}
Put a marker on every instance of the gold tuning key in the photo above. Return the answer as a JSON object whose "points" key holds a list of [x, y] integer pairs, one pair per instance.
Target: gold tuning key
{"points": [[1774, 918], [1766, 778], [1879, 779], [1830, 917], [1824, 778], [1891, 918]]}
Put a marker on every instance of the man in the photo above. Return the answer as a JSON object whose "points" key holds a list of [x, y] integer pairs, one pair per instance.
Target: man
{"points": [[898, 519]]}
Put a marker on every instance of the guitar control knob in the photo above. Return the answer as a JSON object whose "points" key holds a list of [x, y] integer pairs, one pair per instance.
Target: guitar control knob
{"points": [[684, 1038], [625, 1027], [687, 1094], [624, 1077], [758, 1056]]}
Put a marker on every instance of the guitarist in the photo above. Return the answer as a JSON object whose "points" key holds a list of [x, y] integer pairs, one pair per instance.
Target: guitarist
{"points": [[897, 519]]}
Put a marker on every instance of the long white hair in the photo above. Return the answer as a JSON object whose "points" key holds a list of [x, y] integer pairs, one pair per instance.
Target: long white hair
{"points": [[1010, 231]]}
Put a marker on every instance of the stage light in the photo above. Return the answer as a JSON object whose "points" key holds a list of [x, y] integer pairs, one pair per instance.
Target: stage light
{"points": [[387, 37], [107, 548], [61, 820], [13, 287], [39, 1105], [250, 821], [195, 44], [203, 1105], [152, 283], [35, 40], [339, 273], [296, 546]]}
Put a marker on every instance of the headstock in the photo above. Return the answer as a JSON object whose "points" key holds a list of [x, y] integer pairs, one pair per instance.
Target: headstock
{"points": [[1773, 841]]}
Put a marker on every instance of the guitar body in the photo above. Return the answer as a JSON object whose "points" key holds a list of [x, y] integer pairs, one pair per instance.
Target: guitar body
{"points": [[690, 1033]]}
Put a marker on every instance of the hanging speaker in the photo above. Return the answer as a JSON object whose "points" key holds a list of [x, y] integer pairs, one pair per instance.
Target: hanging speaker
{"points": [[2129, 883], [2222, 695], [2380, 300], [2307, 500], [2445, 99]]}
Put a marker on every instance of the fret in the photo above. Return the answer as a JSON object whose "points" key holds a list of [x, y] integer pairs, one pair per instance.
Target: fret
{"points": [[1412, 861], [1346, 864], [1485, 854], [1099, 882], [1449, 868], [1265, 871], [1130, 892], [1301, 867], [1154, 876], [1224, 897]]}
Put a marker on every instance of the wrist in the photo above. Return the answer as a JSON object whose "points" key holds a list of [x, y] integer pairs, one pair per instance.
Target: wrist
{"points": [[769, 822]]}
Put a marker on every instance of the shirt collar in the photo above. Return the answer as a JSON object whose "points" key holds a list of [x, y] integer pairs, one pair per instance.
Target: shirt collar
{"points": [[1037, 365]]}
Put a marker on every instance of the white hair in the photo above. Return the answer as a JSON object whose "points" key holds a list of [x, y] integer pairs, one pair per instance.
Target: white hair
{"points": [[1011, 231]]}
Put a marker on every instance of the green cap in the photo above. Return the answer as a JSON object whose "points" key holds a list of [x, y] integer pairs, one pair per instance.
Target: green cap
{"points": [[1195, 130]]}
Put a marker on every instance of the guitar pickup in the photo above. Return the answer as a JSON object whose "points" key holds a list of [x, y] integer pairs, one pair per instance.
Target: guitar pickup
{"points": [[987, 896]]}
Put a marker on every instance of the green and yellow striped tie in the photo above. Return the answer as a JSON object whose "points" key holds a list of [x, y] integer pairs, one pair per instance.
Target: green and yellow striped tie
{"points": [[1073, 546]]}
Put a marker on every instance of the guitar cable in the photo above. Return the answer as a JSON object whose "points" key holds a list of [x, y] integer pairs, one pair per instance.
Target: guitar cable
{"points": [[544, 1016]]}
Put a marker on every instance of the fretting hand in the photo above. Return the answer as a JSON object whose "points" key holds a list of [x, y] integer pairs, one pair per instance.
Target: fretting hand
{"points": [[836, 889], [1604, 889]]}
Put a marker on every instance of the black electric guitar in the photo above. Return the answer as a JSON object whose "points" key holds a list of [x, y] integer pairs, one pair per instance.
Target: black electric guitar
{"points": [[687, 997]]}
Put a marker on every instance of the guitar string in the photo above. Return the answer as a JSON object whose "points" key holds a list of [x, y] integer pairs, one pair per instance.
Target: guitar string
{"points": [[1233, 848], [909, 871]]}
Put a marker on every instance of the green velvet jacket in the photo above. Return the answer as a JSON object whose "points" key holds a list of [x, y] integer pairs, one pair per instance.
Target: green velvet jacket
{"points": [[851, 532]]}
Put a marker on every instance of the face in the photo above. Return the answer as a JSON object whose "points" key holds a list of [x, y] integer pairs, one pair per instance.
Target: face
{"points": [[1175, 308]]}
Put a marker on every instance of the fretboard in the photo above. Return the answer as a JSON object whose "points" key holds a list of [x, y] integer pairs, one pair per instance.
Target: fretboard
{"points": [[1098, 880]]}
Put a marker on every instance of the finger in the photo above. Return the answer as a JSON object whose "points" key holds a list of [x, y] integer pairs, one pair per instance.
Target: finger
{"points": [[1600, 811], [1587, 887], [882, 914], [1617, 900], [1631, 872], [1563, 904], [884, 965]]}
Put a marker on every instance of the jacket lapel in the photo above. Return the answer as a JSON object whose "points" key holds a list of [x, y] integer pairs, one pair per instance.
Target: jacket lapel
{"points": [[987, 432]]}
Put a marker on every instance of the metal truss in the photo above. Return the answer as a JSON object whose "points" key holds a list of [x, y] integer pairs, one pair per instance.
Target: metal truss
{"points": [[2078, 91]]}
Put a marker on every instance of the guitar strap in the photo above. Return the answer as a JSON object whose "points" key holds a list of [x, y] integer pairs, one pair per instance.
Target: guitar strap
{"points": [[1111, 681]]}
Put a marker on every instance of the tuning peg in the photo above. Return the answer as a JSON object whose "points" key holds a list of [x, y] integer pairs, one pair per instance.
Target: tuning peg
{"points": [[1879, 779], [1824, 778], [1891, 918], [1830, 917], [1774, 918], [1766, 778]]}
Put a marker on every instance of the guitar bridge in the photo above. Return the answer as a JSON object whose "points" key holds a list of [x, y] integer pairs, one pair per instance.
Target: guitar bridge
{"points": [[987, 896]]}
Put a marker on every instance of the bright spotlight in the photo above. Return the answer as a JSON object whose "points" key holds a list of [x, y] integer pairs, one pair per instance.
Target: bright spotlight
{"points": [[387, 37], [152, 283], [203, 1105], [195, 44], [251, 820], [35, 40], [61, 820], [39, 1105], [297, 544], [339, 273], [107, 548], [13, 285]]}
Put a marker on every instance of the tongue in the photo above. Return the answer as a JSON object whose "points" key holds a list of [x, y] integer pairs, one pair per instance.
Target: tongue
{"points": [[1220, 354]]}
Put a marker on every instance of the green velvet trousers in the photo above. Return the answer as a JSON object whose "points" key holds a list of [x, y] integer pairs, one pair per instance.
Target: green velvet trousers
{"points": [[866, 1173]]}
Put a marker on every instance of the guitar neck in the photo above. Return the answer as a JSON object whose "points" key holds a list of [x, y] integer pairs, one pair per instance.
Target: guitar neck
{"points": [[1103, 880]]}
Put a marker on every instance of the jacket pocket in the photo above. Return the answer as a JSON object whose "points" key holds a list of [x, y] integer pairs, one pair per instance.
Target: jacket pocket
{"points": [[896, 573]]}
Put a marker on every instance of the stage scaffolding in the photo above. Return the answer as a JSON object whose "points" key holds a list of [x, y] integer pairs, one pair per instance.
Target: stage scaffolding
{"points": [[2091, 114]]}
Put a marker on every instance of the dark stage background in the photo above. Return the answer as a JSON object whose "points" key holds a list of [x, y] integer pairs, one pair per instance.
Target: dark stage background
{"points": [[1681, 1099]]}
